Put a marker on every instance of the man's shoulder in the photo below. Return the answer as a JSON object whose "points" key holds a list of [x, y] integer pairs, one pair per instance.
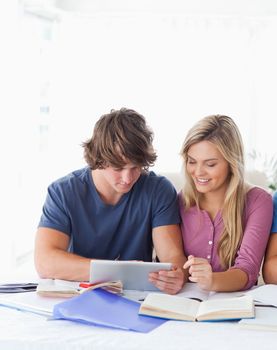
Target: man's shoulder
{"points": [[153, 186], [77, 178], [152, 180]]}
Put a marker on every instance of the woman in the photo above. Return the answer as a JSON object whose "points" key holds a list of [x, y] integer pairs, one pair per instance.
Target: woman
{"points": [[225, 221], [270, 263]]}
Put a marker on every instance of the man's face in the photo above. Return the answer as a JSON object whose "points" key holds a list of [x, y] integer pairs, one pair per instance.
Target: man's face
{"points": [[121, 180]]}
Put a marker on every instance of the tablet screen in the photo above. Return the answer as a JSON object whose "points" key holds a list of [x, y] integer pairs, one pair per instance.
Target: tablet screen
{"points": [[133, 274]]}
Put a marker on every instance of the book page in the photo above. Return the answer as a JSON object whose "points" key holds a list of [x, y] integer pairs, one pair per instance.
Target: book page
{"points": [[171, 303], [227, 308], [266, 294], [191, 290]]}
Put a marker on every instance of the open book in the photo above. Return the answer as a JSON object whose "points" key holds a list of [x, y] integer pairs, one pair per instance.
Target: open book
{"points": [[66, 289], [180, 308]]}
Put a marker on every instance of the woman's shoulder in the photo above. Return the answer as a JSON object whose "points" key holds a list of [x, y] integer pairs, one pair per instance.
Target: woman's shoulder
{"points": [[255, 193], [193, 210]]}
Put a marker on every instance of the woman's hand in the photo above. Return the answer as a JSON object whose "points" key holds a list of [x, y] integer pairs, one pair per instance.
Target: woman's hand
{"points": [[200, 272]]}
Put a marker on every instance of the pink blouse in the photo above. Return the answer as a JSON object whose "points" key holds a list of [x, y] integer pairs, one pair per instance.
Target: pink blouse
{"points": [[201, 234]]}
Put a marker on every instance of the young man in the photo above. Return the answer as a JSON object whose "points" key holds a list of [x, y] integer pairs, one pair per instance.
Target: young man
{"points": [[112, 209]]}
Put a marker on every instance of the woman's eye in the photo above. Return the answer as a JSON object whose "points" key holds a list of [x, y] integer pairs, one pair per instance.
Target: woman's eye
{"points": [[211, 165]]}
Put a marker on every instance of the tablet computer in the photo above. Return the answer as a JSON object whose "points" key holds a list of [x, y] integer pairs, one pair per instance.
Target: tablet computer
{"points": [[132, 274]]}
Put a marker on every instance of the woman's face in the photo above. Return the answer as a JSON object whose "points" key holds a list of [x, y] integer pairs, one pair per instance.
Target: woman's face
{"points": [[207, 167]]}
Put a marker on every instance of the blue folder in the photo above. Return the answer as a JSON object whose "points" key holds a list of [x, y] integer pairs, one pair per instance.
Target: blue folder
{"points": [[101, 308]]}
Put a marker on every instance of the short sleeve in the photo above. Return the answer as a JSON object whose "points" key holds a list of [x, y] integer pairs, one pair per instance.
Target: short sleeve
{"points": [[274, 223], [165, 205], [54, 212]]}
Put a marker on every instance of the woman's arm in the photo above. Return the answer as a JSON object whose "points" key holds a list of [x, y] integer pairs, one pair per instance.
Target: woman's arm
{"points": [[201, 273], [257, 224]]}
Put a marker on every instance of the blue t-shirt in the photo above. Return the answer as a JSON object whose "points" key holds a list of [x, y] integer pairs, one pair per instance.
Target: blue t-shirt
{"points": [[274, 223], [102, 231]]}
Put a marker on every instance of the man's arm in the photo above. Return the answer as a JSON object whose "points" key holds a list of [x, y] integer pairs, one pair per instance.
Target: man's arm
{"points": [[270, 262], [169, 248], [52, 259]]}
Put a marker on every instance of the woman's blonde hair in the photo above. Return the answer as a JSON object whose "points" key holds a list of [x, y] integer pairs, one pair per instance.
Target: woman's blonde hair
{"points": [[221, 131]]}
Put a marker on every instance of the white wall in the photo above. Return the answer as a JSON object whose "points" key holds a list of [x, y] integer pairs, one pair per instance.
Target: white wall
{"points": [[173, 61]]}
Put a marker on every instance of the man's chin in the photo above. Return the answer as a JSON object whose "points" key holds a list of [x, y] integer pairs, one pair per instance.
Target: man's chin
{"points": [[124, 188]]}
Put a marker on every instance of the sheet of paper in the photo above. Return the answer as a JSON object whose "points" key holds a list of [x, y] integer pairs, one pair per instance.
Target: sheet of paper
{"points": [[191, 290], [266, 319], [266, 294], [31, 302], [135, 295]]}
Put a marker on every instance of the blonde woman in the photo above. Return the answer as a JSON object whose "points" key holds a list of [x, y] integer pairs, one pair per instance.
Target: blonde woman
{"points": [[225, 221]]}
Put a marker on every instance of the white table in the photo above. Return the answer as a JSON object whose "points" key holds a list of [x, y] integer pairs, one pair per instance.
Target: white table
{"points": [[26, 331], [23, 330]]}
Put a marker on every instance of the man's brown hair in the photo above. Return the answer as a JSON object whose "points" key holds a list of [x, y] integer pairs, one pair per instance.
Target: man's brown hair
{"points": [[120, 136]]}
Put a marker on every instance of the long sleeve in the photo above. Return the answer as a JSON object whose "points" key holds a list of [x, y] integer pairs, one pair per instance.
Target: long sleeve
{"points": [[257, 223]]}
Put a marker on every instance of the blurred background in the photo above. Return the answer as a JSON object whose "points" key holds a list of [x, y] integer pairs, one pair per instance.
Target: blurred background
{"points": [[64, 63]]}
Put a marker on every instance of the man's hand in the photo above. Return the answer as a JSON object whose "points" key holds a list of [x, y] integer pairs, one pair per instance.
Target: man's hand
{"points": [[170, 282], [200, 272]]}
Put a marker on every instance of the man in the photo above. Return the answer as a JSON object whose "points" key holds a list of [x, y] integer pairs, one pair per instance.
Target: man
{"points": [[112, 209]]}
